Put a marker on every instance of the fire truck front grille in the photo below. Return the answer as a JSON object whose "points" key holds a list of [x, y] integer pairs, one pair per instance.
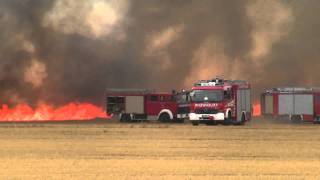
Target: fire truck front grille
{"points": [[206, 111]]}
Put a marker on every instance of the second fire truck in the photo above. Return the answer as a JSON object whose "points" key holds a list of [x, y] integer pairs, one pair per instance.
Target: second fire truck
{"points": [[299, 104]]}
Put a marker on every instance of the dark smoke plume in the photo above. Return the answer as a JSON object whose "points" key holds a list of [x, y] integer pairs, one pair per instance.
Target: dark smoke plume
{"points": [[58, 51]]}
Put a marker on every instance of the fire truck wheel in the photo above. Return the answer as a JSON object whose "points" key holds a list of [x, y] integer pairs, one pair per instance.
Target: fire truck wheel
{"points": [[242, 122], [296, 119], [122, 119], [125, 118], [228, 120], [164, 117], [243, 119]]}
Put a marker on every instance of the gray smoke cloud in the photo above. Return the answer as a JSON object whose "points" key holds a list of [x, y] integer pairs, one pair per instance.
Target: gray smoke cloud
{"points": [[58, 51]]}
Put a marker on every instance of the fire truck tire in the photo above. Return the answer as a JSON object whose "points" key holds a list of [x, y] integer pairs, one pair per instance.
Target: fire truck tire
{"points": [[243, 120], [195, 123], [296, 119], [164, 117], [125, 118], [228, 120]]}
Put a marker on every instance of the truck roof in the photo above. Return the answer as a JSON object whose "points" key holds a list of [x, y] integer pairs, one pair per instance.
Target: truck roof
{"points": [[284, 90], [207, 88], [216, 84], [134, 92]]}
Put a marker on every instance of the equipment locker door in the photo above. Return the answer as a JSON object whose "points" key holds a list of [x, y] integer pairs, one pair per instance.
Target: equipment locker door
{"points": [[239, 108], [243, 102], [303, 104], [268, 100], [286, 106], [135, 104]]}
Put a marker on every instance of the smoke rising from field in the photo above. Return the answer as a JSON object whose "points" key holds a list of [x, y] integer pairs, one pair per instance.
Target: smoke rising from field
{"points": [[58, 51]]}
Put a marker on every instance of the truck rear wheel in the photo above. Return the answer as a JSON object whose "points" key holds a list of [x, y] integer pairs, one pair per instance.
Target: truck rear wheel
{"points": [[242, 121], [125, 118], [296, 119], [228, 120], [164, 117]]}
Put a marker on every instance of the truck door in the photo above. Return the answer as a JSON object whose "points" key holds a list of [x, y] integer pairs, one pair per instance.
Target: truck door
{"points": [[168, 102], [153, 105], [183, 105]]}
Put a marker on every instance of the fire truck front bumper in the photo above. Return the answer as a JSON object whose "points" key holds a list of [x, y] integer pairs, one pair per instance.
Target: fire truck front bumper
{"points": [[206, 117]]}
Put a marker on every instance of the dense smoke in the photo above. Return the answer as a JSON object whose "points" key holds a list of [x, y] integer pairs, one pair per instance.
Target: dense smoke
{"points": [[57, 51]]}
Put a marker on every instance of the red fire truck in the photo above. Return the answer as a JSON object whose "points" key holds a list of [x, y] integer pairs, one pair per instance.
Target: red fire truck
{"points": [[217, 100], [295, 103], [141, 104]]}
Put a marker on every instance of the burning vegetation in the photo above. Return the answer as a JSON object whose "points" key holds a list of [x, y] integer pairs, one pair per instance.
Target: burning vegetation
{"points": [[256, 109], [44, 112]]}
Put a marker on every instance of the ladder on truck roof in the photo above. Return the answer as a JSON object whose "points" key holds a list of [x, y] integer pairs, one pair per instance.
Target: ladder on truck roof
{"points": [[129, 91], [219, 82], [294, 89], [236, 82]]}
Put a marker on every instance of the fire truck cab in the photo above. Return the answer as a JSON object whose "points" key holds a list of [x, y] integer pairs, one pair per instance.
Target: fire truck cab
{"points": [[217, 100], [140, 104]]}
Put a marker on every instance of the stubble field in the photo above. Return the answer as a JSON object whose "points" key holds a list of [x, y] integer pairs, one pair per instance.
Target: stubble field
{"points": [[108, 150]]}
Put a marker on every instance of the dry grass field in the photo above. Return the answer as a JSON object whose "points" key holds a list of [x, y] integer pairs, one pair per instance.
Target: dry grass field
{"points": [[109, 150]]}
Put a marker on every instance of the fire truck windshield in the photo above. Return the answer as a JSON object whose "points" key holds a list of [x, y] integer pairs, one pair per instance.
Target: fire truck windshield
{"points": [[206, 95]]}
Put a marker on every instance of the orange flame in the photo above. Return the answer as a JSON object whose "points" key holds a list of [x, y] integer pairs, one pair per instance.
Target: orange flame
{"points": [[71, 111], [256, 109]]}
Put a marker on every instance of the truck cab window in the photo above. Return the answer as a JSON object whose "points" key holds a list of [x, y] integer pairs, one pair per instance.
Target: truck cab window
{"points": [[166, 98], [172, 98], [153, 98]]}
